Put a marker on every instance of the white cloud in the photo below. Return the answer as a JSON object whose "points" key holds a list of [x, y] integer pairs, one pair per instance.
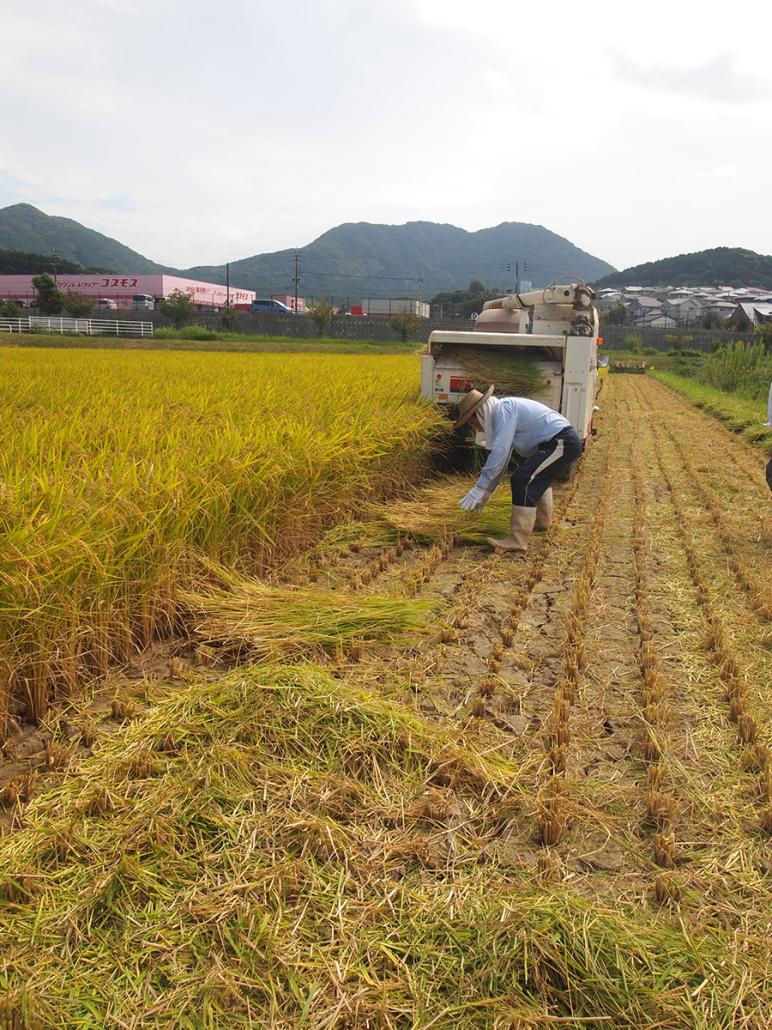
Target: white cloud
{"points": [[202, 133]]}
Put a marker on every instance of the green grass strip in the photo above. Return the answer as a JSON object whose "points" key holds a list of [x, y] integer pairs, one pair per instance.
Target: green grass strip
{"points": [[744, 417]]}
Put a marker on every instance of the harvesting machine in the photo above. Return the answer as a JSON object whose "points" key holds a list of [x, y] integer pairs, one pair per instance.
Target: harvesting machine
{"points": [[541, 344]]}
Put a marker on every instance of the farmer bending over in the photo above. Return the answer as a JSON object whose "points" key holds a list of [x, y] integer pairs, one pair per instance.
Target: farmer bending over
{"points": [[547, 441]]}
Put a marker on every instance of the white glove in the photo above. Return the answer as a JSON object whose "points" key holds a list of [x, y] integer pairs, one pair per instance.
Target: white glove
{"points": [[475, 500]]}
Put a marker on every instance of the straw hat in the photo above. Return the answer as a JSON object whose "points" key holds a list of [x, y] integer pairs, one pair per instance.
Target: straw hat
{"points": [[469, 405]]}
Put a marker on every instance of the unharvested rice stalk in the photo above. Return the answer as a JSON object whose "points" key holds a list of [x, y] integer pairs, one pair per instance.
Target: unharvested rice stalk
{"points": [[119, 469], [247, 618]]}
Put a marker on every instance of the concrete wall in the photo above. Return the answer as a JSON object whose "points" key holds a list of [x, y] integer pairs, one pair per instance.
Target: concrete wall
{"points": [[669, 339], [345, 327]]}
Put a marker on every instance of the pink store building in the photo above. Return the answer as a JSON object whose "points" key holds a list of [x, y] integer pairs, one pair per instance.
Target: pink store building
{"points": [[122, 289]]}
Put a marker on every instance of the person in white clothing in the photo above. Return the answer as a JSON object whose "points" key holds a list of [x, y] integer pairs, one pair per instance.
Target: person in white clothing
{"points": [[547, 441], [769, 423]]}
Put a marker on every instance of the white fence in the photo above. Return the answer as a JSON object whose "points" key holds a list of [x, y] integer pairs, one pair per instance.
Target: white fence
{"points": [[78, 326]]}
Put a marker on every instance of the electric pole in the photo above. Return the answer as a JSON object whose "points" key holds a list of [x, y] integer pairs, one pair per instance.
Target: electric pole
{"points": [[296, 279], [55, 261], [227, 284]]}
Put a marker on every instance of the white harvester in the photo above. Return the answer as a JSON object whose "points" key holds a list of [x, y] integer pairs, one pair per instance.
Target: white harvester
{"points": [[541, 344]]}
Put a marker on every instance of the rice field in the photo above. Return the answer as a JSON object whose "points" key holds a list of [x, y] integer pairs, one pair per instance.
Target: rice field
{"points": [[119, 472], [375, 775]]}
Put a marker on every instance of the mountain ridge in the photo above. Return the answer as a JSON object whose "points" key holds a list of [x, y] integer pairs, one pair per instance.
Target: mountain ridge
{"points": [[418, 258], [716, 266], [26, 228]]}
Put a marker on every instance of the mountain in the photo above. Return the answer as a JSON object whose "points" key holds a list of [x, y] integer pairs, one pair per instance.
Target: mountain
{"points": [[359, 259], [18, 262], [25, 228], [720, 266]]}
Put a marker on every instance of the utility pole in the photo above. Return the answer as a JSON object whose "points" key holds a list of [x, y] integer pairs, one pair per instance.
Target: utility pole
{"points": [[227, 284], [296, 279], [55, 261]]}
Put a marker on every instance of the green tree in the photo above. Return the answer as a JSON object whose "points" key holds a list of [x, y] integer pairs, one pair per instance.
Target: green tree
{"points": [[464, 302], [407, 325], [50, 300], [9, 309], [713, 321], [616, 314], [78, 304], [321, 316], [632, 342], [229, 317], [764, 334], [178, 308]]}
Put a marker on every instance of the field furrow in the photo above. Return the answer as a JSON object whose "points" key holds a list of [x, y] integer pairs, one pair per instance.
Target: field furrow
{"points": [[383, 776]]}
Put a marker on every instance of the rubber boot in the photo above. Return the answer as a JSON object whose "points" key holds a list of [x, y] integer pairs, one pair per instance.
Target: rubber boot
{"points": [[520, 528], [544, 511]]}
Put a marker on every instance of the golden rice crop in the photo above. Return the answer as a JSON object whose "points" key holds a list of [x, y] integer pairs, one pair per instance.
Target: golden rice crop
{"points": [[117, 469]]}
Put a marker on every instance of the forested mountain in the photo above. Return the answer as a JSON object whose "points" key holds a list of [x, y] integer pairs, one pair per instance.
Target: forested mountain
{"points": [[18, 262], [365, 260], [720, 266], [25, 228], [356, 259]]}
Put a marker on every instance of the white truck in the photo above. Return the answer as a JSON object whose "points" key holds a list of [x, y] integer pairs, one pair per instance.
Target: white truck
{"points": [[541, 344]]}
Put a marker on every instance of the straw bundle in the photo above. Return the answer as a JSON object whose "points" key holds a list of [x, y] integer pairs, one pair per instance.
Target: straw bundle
{"points": [[247, 618], [514, 372]]}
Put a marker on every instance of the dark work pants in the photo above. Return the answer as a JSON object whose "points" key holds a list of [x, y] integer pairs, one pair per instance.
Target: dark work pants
{"points": [[769, 474], [549, 459]]}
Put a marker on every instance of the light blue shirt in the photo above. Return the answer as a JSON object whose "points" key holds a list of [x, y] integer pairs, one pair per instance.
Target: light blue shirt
{"points": [[519, 424]]}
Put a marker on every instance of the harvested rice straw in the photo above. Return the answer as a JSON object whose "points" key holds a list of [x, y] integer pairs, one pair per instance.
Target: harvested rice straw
{"points": [[247, 617]]}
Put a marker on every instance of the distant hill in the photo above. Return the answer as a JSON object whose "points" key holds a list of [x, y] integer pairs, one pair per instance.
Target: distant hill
{"points": [[25, 228], [19, 262], [360, 259], [355, 260], [720, 266]]}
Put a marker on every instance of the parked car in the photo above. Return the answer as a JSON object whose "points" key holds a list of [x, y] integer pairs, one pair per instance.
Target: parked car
{"points": [[274, 307], [106, 303], [143, 301]]}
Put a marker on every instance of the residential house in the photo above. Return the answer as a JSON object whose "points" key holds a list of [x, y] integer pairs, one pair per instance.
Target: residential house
{"points": [[748, 316]]}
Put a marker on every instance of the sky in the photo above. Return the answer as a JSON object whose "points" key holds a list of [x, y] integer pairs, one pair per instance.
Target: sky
{"points": [[203, 133]]}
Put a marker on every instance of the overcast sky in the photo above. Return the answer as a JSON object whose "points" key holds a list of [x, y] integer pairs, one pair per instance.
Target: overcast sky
{"points": [[206, 132]]}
